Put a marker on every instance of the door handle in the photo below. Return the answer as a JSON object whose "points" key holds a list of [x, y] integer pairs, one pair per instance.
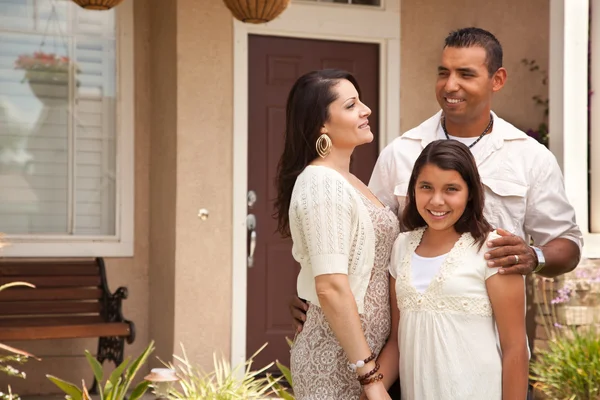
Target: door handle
{"points": [[251, 226]]}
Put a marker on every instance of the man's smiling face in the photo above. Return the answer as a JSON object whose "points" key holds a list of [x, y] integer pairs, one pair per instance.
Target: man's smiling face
{"points": [[464, 86]]}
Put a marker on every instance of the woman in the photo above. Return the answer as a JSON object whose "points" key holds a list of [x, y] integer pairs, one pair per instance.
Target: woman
{"points": [[449, 302], [342, 237]]}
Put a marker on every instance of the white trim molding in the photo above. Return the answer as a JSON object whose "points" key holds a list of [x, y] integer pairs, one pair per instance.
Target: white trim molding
{"points": [[121, 244], [379, 25], [568, 93], [595, 122]]}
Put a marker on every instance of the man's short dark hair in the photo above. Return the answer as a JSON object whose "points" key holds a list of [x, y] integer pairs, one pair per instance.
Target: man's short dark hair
{"points": [[470, 37]]}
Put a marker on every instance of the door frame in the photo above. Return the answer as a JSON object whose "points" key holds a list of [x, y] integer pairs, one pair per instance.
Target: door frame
{"points": [[380, 25]]}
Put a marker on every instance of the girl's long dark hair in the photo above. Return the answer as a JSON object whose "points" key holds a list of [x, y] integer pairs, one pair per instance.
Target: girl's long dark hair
{"points": [[450, 155], [307, 110]]}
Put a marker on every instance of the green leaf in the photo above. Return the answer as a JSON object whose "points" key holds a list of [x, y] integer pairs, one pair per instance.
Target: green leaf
{"points": [[67, 387], [134, 368], [285, 395], [97, 368], [108, 387], [116, 374], [281, 392], [139, 390], [285, 371], [17, 351], [289, 341], [13, 284], [113, 392]]}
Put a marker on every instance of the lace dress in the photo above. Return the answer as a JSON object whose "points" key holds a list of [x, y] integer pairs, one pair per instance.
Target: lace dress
{"points": [[318, 363], [446, 335]]}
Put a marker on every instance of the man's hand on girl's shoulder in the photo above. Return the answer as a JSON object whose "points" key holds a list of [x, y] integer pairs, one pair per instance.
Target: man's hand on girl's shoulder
{"points": [[511, 254]]}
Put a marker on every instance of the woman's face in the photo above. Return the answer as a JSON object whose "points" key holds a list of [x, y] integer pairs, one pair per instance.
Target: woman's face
{"points": [[441, 197], [348, 124]]}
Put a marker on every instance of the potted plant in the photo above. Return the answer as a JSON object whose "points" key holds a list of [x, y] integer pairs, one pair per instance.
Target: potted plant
{"points": [[117, 385], [570, 367], [224, 382], [15, 356], [46, 73]]}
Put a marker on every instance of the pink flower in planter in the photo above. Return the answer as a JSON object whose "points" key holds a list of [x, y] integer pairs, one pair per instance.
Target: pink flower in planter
{"points": [[43, 61]]}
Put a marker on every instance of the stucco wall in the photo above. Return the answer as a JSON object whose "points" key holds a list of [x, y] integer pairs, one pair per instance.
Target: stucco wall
{"points": [[191, 168], [204, 178], [191, 54], [520, 26], [162, 61]]}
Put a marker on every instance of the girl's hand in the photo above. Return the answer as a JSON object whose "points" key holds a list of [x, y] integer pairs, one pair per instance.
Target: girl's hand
{"points": [[376, 391]]}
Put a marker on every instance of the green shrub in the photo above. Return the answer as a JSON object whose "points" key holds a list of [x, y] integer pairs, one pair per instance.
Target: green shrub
{"points": [[17, 356], [116, 386], [223, 383], [570, 367]]}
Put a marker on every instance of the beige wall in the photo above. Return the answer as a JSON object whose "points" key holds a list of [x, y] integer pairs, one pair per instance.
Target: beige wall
{"points": [[162, 86], [204, 178], [191, 168], [521, 26]]}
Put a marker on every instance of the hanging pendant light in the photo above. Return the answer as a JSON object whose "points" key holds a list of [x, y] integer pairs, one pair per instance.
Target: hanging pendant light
{"points": [[256, 11], [97, 4]]}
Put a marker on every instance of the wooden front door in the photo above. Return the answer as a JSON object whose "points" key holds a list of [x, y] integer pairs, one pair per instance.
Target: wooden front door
{"points": [[274, 65]]}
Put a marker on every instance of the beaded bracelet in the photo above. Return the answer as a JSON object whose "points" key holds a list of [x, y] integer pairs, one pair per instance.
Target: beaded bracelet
{"points": [[362, 363], [368, 374], [373, 379]]}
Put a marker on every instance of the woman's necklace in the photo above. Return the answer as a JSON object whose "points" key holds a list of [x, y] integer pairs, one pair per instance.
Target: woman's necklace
{"points": [[480, 136]]}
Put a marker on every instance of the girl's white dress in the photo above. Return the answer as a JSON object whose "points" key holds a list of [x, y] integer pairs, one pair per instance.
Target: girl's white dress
{"points": [[447, 335]]}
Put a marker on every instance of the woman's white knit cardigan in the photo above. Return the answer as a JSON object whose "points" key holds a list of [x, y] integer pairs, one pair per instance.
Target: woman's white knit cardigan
{"points": [[332, 232]]}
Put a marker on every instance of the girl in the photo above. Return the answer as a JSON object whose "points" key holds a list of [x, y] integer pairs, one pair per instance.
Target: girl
{"points": [[447, 302], [342, 237]]}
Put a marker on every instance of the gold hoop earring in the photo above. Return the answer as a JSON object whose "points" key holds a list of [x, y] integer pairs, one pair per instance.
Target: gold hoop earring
{"points": [[324, 145]]}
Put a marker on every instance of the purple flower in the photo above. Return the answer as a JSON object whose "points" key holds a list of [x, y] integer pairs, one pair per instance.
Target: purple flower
{"points": [[581, 274], [564, 295]]}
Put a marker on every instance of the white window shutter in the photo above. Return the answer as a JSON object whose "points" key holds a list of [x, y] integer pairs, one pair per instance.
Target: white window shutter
{"points": [[57, 139]]}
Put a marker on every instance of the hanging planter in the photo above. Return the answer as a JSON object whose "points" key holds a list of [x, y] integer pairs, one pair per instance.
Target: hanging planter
{"points": [[97, 4], [256, 11], [47, 74]]}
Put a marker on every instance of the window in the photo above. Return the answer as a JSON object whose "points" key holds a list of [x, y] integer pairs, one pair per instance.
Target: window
{"points": [[60, 177]]}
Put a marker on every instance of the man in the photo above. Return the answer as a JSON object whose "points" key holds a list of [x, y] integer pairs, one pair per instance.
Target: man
{"points": [[523, 183], [524, 188]]}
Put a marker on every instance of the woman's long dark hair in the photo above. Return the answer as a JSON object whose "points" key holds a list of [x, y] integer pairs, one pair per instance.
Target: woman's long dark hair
{"points": [[307, 111], [450, 155]]}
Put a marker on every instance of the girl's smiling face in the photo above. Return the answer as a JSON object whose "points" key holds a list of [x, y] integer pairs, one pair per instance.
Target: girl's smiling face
{"points": [[441, 197]]}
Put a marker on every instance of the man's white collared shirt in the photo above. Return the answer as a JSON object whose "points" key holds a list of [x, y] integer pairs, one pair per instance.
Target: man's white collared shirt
{"points": [[524, 187]]}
